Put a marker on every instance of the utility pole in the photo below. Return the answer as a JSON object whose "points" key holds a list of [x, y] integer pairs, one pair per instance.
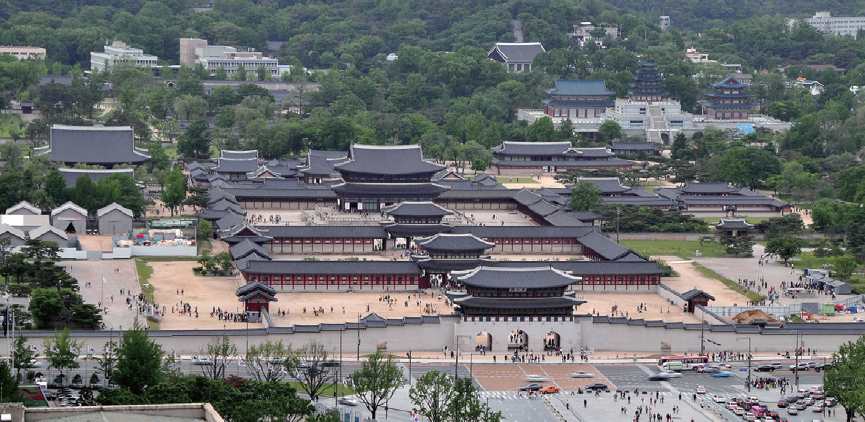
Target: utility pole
{"points": [[796, 368], [358, 337], [409, 367], [749, 361]]}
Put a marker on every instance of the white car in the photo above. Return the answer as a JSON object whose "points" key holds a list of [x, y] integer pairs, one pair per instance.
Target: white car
{"points": [[701, 390], [347, 401], [582, 374], [535, 378], [719, 399]]}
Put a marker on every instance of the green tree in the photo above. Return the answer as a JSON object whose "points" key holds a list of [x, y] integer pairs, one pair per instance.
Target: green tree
{"points": [[376, 381], [542, 130], [467, 406], [585, 196], [107, 362], [240, 75], [46, 306], [431, 396], [206, 228], [195, 142], [22, 355], [845, 266], [785, 247], [846, 379], [737, 245], [61, 351], [190, 107], [219, 353], [264, 362], [311, 367], [158, 158], [175, 189], [679, 149], [139, 361], [9, 392], [610, 130], [221, 74]]}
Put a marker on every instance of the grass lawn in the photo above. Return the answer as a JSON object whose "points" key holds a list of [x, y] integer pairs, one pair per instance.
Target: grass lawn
{"points": [[752, 296], [326, 391], [524, 180], [204, 245], [144, 273], [682, 249]]}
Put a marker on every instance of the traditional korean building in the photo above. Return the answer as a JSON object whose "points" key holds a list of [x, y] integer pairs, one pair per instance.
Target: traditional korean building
{"points": [[446, 252], [413, 219], [538, 291], [553, 156], [378, 176], [93, 145], [237, 165], [518, 57], [613, 192], [734, 227], [720, 197], [647, 111], [695, 297], [575, 100], [337, 275], [727, 101], [256, 297]]}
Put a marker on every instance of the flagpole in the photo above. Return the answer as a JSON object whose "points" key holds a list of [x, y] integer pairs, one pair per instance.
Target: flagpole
{"points": [[102, 302]]}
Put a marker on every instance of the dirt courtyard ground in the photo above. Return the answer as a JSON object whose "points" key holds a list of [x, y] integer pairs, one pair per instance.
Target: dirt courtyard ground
{"points": [[689, 278], [208, 292]]}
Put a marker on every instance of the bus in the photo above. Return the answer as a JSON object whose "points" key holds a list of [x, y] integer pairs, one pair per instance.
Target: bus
{"points": [[681, 363]]}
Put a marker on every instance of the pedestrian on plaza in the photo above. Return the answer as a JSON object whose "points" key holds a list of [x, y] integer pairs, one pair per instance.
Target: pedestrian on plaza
{"points": [[585, 403]]}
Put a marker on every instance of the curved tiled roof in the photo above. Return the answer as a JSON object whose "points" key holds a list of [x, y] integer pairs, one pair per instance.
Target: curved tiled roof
{"points": [[105, 145], [408, 208], [454, 242], [390, 160], [516, 278]]}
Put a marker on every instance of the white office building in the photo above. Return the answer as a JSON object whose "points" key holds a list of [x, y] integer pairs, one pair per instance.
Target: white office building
{"points": [[119, 53], [23, 53], [194, 51], [822, 21]]}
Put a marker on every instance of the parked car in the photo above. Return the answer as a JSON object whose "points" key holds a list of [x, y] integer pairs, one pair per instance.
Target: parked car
{"points": [[765, 368], [597, 386], [582, 374], [531, 387], [550, 389]]}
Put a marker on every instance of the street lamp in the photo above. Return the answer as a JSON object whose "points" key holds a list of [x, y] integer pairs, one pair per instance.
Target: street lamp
{"points": [[358, 336], [749, 359], [409, 367], [457, 347]]}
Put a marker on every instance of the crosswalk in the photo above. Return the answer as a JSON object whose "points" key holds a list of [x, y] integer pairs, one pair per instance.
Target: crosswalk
{"points": [[707, 399]]}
